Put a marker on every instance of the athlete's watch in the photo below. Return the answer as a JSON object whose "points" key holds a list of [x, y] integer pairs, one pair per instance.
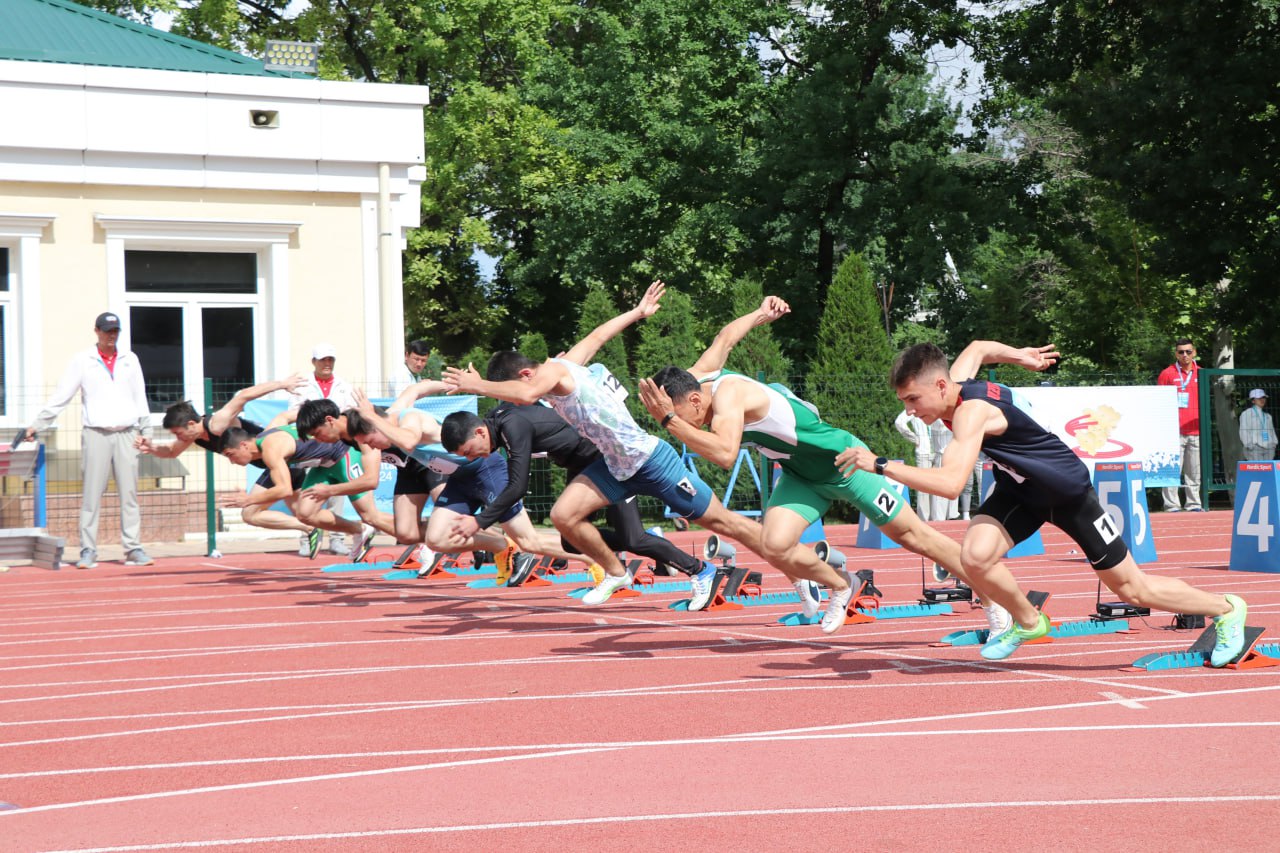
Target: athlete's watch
{"points": [[880, 463]]}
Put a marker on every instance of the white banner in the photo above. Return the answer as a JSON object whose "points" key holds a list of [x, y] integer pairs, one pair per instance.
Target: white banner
{"points": [[1114, 423]]}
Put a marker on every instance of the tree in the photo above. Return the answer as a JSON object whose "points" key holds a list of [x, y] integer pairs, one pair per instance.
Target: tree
{"points": [[848, 379], [596, 309], [1174, 107], [759, 352]]}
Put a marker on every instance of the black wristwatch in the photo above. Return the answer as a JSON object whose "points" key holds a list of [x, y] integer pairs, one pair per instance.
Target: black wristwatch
{"points": [[880, 463]]}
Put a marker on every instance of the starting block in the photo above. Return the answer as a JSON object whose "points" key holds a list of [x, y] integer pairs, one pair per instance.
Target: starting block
{"points": [[729, 584], [640, 574], [1106, 610], [1252, 657], [865, 606], [935, 594]]}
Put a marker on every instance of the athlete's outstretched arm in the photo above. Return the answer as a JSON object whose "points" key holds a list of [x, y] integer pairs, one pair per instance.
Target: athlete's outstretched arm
{"points": [[978, 353], [533, 384], [968, 427], [416, 391], [585, 350], [717, 354], [407, 431], [221, 419]]}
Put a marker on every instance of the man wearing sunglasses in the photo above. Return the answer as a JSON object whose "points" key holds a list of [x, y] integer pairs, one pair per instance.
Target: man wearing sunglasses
{"points": [[1184, 376]]}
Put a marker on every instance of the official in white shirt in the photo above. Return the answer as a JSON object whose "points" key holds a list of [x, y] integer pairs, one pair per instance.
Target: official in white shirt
{"points": [[113, 399], [1257, 431]]}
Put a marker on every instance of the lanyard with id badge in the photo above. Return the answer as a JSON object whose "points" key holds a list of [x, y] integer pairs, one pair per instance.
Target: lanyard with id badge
{"points": [[1184, 398]]}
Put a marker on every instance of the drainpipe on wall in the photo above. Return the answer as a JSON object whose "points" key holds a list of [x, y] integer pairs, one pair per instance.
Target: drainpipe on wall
{"points": [[388, 280]]}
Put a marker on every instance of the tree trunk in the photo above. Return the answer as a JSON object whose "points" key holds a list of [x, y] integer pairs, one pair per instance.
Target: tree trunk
{"points": [[1223, 412]]}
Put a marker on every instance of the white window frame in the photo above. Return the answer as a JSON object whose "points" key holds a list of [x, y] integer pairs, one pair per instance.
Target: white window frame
{"points": [[268, 239], [21, 234]]}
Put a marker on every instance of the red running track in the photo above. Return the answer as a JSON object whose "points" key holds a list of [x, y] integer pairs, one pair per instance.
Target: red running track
{"points": [[256, 703]]}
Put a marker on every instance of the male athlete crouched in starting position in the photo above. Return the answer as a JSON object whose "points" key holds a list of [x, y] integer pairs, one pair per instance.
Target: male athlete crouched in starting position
{"points": [[1038, 480]]}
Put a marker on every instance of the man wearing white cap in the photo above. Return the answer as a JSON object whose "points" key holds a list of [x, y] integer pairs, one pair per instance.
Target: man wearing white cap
{"points": [[1257, 432], [113, 413], [323, 384]]}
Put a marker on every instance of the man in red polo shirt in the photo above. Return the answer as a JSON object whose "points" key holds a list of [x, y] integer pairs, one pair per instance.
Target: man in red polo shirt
{"points": [[1184, 376]]}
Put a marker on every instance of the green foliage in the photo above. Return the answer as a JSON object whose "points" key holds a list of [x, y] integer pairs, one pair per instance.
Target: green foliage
{"points": [[1174, 105], [533, 345], [669, 337], [848, 379], [758, 352], [597, 309]]}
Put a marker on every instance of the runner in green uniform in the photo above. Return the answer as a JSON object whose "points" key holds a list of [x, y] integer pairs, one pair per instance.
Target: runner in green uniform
{"points": [[740, 410]]}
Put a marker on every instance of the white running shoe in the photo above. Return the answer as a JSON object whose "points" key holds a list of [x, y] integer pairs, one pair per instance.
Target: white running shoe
{"points": [[602, 591], [810, 597], [998, 619], [837, 610], [338, 545], [361, 543], [702, 584]]}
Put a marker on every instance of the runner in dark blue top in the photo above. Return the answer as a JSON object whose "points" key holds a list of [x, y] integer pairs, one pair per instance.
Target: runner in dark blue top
{"points": [[1038, 480]]}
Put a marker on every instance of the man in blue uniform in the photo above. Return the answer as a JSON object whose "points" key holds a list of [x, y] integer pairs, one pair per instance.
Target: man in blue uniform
{"points": [[1038, 479]]}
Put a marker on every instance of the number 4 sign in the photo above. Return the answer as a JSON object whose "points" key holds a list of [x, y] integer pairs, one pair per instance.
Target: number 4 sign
{"points": [[1121, 492], [1254, 547]]}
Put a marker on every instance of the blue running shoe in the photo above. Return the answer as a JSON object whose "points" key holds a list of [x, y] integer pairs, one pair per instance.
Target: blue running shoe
{"points": [[1230, 630]]}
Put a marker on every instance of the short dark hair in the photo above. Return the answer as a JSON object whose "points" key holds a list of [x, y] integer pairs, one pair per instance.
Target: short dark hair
{"points": [[313, 413], [232, 436], [505, 366], [915, 361], [180, 414], [418, 347], [358, 424], [676, 381], [1182, 342], [457, 427]]}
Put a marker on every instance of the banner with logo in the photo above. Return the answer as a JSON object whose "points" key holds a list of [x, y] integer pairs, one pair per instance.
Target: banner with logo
{"points": [[1114, 423]]}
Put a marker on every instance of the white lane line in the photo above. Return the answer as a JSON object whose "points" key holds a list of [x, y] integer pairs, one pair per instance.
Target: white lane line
{"points": [[829, 732], [526, 747], [674, 816], [1121, 700]]}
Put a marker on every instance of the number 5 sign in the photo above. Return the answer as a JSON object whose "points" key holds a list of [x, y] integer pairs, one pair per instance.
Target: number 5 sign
{"points": [[1122, 494], [1254, 547]]}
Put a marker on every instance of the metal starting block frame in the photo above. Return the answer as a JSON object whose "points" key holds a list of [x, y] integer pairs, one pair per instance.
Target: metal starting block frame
{"points": [[865, 606], [1253, 656]]}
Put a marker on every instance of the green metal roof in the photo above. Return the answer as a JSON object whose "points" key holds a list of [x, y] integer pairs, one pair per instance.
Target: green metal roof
{"points": [[65, 32]]}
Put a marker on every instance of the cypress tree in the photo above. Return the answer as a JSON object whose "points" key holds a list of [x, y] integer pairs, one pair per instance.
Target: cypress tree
{"points": [[848, 379]]}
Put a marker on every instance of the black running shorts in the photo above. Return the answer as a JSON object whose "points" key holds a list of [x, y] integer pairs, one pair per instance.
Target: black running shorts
{"points": [[1083, 519]]}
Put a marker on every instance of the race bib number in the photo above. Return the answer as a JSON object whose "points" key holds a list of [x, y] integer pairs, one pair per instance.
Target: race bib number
{"points": [[1106, 527], [608, 381], [887, 501]]}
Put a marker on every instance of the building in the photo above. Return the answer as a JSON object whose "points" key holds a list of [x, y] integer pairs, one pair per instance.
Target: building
{"points": [[230, 215]]}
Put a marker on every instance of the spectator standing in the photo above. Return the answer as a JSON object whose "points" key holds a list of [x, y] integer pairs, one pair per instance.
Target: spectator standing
{"points": [[916, 431], [939, 438], [324, 384], [1257, 431], [114, 412], [414, 369], [1184, 375]]}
